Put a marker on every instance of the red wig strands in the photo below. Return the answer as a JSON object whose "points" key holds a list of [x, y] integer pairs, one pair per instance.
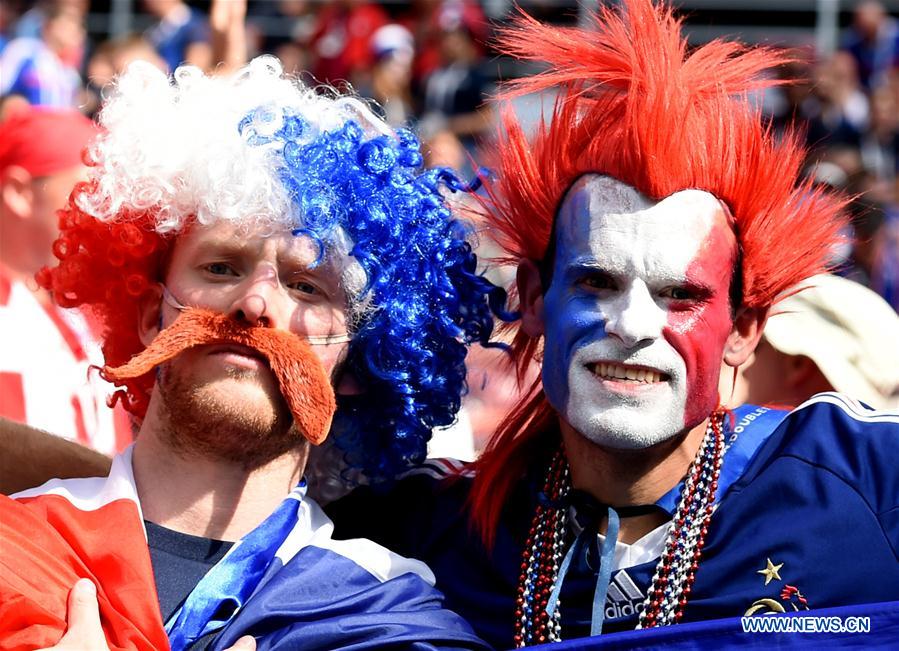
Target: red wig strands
{"points": [[637, 105], [108, 268]]}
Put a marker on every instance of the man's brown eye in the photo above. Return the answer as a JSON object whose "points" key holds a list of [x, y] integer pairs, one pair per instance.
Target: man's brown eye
{"points": [[679, 294], [597, 282]]}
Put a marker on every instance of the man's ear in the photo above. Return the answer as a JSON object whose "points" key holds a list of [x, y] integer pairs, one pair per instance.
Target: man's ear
{"points": [[16, 191], [745, 335], [150, 315], [530, 295]]}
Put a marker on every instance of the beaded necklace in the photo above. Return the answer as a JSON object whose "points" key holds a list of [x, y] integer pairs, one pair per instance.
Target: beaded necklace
{"points": [[674, 575]]}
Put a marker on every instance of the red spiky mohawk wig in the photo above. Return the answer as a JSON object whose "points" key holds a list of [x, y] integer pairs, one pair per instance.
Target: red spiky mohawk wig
{"points": [[637, 105]]}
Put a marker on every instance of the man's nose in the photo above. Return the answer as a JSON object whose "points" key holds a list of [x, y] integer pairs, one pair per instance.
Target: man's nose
{"points": [[258, 300], [634, 317]]}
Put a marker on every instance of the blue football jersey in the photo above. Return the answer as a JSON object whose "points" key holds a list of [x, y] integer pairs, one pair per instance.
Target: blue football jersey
{"points": [[807, 517]]}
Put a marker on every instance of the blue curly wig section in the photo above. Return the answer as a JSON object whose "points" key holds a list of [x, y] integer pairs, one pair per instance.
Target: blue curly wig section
{"points": [[423, 301]]}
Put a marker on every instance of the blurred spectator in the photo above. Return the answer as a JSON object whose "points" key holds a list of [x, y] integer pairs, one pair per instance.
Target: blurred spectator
{"points": [[880, 144], [109, 59], [428, 19], [45, 70], [455, 91], [29, 24], [841, 114], [45, 351], [289, 47], [341, 40], [834, 336], [875, 254], [7, 18], [792, 104], [391, 76], [181, 34], [887, 281], [873, 41]]}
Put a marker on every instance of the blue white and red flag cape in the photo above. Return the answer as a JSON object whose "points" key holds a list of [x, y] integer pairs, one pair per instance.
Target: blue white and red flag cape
{"points": [[287, 583]]}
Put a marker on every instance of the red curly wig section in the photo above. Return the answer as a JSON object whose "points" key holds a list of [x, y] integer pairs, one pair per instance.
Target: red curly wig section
{"points": [[107, 269], [637, 105]]}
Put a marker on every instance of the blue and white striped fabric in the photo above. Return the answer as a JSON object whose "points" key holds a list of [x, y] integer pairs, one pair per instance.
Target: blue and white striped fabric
{"points": [[325, 594], [30, 69]]}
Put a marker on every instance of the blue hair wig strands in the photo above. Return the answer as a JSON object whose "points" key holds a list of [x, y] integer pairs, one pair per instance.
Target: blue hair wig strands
{"points": [[425, 301]]}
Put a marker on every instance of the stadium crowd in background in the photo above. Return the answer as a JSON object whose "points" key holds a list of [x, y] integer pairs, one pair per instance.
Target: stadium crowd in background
{"points": [[430, 64]]}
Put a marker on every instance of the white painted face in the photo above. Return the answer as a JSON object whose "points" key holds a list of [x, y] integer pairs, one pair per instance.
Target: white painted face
{"points": [[637, 313]]}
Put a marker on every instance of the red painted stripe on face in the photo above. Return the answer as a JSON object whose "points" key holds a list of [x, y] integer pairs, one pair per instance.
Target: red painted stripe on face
{"points": [[698, 328]]}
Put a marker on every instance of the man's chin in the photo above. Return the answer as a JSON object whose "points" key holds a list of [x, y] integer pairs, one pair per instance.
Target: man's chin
{"points": [[232, 420], [626, 427], [244, 394]]}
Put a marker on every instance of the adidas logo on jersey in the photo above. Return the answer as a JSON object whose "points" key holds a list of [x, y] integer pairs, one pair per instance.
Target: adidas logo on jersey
{"points": [[624, 598]]}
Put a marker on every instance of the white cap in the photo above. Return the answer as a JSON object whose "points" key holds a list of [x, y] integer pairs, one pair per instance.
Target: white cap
{"points": [[394, 40], [850, 332]]}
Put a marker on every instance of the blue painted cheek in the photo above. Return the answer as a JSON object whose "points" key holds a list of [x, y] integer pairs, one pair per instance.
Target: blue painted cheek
{"points": [[572, 321]]}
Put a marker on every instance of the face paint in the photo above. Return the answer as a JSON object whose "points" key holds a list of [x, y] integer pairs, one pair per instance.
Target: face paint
{"points": [[699, 333], [637, 311]]}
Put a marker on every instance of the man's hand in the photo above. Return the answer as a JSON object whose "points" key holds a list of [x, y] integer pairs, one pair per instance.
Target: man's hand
{"points": [[85, 633], [228, 35]]}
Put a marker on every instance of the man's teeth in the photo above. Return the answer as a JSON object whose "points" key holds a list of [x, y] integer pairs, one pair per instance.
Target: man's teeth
{"points": [[618, 372]]}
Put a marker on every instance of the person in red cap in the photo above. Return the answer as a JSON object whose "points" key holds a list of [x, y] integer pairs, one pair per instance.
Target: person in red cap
{"points": [[45, 352]]}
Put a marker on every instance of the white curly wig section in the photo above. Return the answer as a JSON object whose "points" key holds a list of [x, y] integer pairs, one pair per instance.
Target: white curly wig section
{"points": [[173, 146]]}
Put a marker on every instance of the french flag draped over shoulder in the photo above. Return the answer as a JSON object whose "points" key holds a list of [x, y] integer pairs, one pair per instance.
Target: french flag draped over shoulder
{"points": [[65, 530], [287, 583]]}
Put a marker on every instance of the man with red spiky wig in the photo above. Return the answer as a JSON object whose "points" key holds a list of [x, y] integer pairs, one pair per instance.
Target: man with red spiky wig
{"points": [[654, 221]]}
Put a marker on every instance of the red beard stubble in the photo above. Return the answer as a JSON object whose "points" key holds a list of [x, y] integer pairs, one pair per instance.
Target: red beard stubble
{"points": [[301, 377]]}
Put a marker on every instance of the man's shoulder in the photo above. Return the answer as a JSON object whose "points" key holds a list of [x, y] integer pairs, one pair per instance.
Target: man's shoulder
{"points": [[375, 558], [401, 515], [835, 436], [827, 426], [89, 493]]}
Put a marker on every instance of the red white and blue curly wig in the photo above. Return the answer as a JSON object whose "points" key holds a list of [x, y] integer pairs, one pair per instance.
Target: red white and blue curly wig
{"points": [[261, 148]]}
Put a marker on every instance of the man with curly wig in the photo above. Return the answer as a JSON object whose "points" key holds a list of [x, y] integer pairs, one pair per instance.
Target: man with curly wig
{"points": [[262, 260], [654, 220]]}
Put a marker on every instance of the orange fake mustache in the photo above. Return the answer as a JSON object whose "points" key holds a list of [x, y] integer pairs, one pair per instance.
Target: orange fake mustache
{"points": [[301, 377]]}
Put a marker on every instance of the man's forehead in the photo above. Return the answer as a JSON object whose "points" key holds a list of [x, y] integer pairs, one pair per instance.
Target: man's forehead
{"points": [[225, 234], [331, 259], [598, 202]]}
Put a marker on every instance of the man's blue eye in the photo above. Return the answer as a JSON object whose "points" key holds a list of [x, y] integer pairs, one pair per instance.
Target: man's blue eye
{"points": [[305, 288], [219, 269]]}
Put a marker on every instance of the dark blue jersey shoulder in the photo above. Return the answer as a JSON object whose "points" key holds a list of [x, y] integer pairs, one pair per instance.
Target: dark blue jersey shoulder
{"points": [[810, 520], [423, 516]]}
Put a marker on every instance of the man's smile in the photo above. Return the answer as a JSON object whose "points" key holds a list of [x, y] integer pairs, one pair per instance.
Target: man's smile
{"points": [[627, 373]]}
